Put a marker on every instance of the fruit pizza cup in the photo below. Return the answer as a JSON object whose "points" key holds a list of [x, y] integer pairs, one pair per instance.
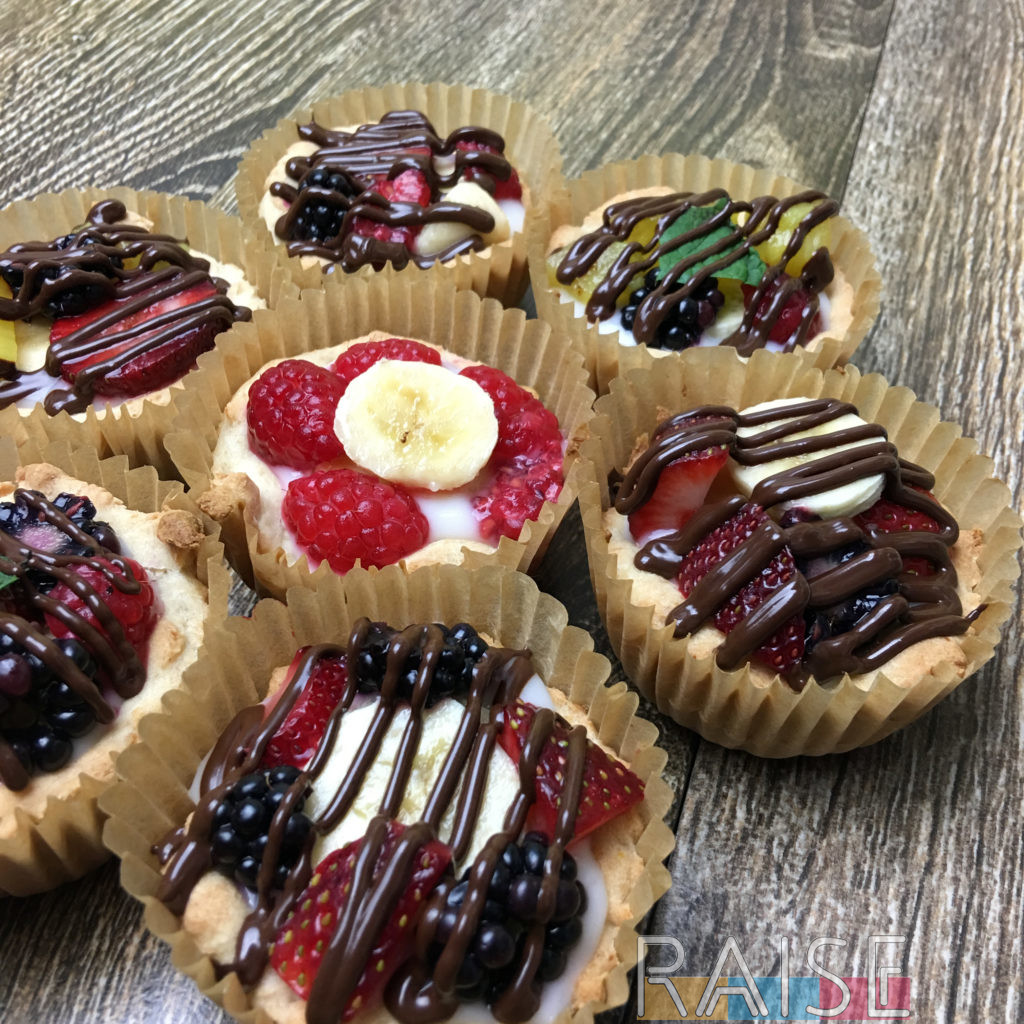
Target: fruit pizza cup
{"points": [[107, 297], [437, 179], [791, 561], [675, 252], [383, 420], [373, 734], [108, 579]]}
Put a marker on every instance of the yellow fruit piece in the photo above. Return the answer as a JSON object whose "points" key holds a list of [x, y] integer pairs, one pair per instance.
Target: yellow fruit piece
{"points": [[583, 287], [819, 237], [5, 291], [8, 344]]}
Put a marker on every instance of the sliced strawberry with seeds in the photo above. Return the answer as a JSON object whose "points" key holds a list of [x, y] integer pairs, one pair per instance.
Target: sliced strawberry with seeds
{"points": [[785, 648], [887, 516], [408, 187], [299, 947], [297, 738], [786, 324], [357, 359], [680, 491], [151, 369], [609, 787]]}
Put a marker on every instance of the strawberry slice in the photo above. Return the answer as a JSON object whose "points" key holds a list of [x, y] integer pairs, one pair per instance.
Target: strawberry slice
{"points": [[299, 947], [508, 188], [408, 187], [136, 612], [785, 648], [680, 491], [152, 369], [357, 359], [887, 516], [609, 787], [296, 739]]}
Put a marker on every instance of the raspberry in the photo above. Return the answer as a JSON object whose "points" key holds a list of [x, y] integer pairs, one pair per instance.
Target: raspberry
{"points": [[515, 496], [409, 187], [526, 429], [359, 358], [784, 325], [136, 612], [291, 414], [340, 516], [504, 188]]}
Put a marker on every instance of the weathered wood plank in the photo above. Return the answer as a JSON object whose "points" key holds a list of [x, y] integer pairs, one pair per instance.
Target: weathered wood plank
{"points": [[919, 836]]}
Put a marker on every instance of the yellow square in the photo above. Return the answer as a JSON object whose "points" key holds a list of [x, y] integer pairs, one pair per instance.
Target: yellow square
{"points": [[658, 1003]]}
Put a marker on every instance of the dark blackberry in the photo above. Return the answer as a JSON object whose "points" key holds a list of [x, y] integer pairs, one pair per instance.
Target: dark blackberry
{"points": [[510, 910], [453, 675], [332, 181], [70, 298], [823, 623], [241, 824], [682, 326]]}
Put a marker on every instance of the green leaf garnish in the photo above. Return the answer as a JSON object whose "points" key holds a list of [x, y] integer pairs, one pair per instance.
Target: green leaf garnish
{"points": [[6, 581], [747, 267]]}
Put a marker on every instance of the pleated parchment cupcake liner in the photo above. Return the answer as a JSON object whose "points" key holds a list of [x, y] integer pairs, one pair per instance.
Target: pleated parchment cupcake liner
{"points": [[152, 795], [738, 708], [530, 351], [59, 840], [135, 428], [605, 356], [497, 272]]}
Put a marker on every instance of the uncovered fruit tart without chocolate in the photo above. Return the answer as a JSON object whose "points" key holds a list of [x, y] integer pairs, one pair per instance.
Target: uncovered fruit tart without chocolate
{"points": [[99, 615], [405, 176], [410, 821], [387, 447], [679, 252], [791, 550]]}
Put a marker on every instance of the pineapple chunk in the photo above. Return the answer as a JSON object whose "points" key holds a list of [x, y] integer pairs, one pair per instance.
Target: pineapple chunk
{"points": [[818, 237]]}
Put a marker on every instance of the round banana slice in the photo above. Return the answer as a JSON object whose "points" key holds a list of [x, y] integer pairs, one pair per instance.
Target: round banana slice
{"points": [[417, 424], [848, 500]]}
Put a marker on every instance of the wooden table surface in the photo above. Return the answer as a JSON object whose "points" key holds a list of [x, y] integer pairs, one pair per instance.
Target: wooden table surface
{"points": [[911, 113]]}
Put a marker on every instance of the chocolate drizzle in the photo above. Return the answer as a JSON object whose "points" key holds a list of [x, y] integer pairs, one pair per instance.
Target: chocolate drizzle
{"points": [[419, 992], [403, 140], [106, 260], [920, 607], [119, 662], [760, 219]]}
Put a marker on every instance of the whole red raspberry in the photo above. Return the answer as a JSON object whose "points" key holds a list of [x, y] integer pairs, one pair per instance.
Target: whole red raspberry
{"points": [[135, 609], [291, 414], [357, 359], [340, 515], [526, 428]]}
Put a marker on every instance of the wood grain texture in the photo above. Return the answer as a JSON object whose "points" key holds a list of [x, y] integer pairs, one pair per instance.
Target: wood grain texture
{"points": [[909, 110]]}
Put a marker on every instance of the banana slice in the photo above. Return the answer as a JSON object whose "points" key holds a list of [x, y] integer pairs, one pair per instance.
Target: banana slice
{"points": [[848, 500], [441, 235], [417, 424]]}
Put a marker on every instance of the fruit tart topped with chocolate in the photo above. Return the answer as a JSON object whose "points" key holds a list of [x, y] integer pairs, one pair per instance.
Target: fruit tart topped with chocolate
{"points": [[411, 823], [674, 270], [793, 535], [392, 192], [108, 312]]}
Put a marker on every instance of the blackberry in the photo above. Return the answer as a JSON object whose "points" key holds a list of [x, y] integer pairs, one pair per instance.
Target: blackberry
{"points": [[509, 911], [823, 623], [332, 181], [241, 824], [682, 326], [462, 649], [70, 294], [23, 522]]}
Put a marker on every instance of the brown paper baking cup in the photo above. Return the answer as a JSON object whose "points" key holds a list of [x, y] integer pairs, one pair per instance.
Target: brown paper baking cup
{"points": [[746, 709], [498, 271], [43, 844], [605, 356], [409, 306], [152, 796], [136, 428]]}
